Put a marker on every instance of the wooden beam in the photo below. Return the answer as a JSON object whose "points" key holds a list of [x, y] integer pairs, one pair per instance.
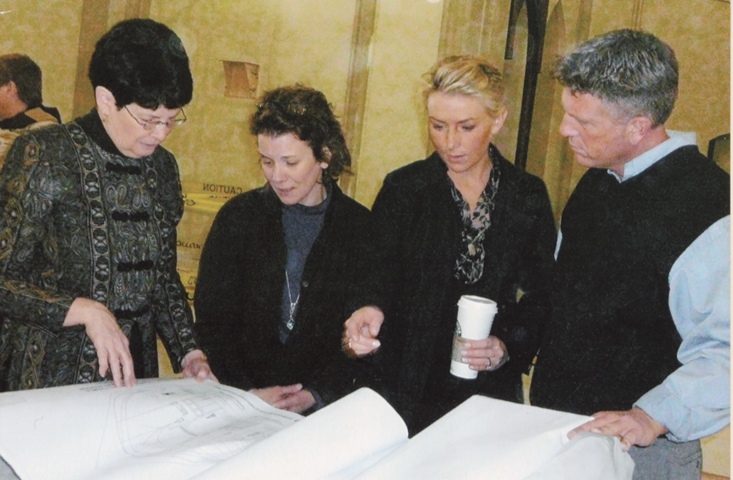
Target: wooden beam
{"points": [[94, 17], [356, 89], [137, 9]]}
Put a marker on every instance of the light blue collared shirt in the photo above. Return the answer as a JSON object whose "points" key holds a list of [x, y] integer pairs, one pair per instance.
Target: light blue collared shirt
{"points": [[650, 157], [693, 401]]}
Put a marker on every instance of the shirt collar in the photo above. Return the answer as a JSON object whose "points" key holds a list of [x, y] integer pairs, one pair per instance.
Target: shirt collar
{"points": [[650, 157], [94, 128]]}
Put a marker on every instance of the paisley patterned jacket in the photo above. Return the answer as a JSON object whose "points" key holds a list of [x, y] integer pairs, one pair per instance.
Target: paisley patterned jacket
{"points": [[79, 219]]}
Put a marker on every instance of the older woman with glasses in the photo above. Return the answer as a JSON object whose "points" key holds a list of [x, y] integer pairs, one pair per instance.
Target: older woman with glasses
{"points": [[88, 215]]}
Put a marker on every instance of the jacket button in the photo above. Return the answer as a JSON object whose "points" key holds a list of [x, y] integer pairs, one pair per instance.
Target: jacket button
{"points": [[304, 284]]}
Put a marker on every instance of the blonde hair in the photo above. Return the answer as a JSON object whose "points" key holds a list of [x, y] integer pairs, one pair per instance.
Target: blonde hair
{"points": [[468, 75]]}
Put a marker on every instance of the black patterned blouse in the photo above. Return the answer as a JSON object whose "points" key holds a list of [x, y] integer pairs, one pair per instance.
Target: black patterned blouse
{"points": [[470, 263], [79, 219]]}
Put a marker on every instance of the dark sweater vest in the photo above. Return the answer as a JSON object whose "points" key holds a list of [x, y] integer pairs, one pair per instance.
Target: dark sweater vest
{"points": [[612, 337]]}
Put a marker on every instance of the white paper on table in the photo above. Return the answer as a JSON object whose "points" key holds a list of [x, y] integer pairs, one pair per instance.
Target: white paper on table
{"points": [[587, 456], [158, 429], [491, 439], [334, 443], [176, 429]]}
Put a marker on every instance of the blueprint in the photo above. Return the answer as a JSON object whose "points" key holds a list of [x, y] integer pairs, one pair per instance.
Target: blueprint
{"points": [[178, 429], [158, 429]]}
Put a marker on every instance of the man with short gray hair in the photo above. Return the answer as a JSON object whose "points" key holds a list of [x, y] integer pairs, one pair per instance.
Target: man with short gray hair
{"points": [[640, 333]]}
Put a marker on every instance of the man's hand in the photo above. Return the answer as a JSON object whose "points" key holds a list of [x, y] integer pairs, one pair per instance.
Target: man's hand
{"points": [[634, 427], [110, 343], [361, 330]]}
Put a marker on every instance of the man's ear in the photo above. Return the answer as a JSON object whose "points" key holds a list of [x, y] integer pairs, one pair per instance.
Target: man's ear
{"points": [[11, 87], [11, 90], [637, 128], [106, 102]]}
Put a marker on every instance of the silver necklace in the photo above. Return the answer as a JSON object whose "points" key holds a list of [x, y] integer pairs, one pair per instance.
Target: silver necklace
{"points": [[293, 304]]}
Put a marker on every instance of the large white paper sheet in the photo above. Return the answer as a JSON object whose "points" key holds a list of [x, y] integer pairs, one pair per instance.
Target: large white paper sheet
{"points": [[492, 439], [158, 429], [179, 429], [335, 443], [587, 456]]}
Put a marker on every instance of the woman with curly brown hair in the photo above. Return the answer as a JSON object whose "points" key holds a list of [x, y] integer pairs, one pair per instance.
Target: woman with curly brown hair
{"points": [[279, 261]]}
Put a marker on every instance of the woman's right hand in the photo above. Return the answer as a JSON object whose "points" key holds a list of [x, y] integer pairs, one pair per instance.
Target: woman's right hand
{"points": [[361, 330], [292, 398], [110, 343]]}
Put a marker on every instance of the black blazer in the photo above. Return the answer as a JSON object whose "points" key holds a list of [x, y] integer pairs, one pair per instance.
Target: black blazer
{"points": [[418, 238], [239, 293]]}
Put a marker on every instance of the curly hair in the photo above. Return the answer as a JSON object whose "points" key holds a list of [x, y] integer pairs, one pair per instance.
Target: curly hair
{"points": [[633, 71], [26, 74], [306, 113], [468, 75], [142, 61]]}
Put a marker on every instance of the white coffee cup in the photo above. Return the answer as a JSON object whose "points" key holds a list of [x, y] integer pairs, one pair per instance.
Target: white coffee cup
{"points": [[475, 316]]}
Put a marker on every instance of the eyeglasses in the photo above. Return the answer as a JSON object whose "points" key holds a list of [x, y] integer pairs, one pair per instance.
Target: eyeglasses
{"points": [[153, 124]]}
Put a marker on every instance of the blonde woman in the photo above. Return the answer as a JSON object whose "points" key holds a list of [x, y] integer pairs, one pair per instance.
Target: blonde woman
{"points": [[463, 221]]}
